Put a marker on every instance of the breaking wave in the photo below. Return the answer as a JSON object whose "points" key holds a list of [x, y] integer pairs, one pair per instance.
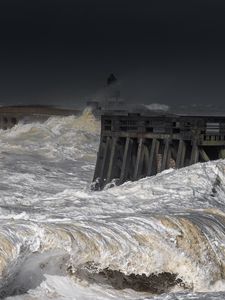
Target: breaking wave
{"points": [[60, 240]]}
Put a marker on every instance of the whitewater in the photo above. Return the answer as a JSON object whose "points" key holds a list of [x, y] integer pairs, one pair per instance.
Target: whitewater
{"points": [[162, 237]]}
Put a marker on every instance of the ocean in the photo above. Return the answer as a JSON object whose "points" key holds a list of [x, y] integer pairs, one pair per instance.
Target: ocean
{"points": [[162, 237]]}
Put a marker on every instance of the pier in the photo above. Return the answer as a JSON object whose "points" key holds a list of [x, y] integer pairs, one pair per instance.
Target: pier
{"points": [[11, 115], [135, 145]]}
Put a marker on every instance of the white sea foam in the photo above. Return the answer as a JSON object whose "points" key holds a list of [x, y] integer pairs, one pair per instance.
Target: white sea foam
{"points": [[59, 240], [157, 107]]}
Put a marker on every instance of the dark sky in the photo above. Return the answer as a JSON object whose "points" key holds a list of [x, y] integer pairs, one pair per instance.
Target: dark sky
{"points": [[61, 51]]}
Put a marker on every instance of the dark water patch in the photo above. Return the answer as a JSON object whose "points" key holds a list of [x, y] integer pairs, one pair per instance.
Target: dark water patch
{"points": [[154, 283]]}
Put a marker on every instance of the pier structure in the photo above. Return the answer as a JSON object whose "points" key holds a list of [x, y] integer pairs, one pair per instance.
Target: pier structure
{"points": [[133, 146], [11, 115]]}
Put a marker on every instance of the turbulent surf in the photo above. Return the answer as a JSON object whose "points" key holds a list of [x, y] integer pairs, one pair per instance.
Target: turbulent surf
{"points": [[158, 238]]}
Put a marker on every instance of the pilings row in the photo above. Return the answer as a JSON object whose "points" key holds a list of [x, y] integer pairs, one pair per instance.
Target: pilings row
{"points": [[127, 158]]}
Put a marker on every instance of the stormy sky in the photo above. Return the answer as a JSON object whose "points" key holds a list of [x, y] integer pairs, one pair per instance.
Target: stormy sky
{"points": [[61, 51]]}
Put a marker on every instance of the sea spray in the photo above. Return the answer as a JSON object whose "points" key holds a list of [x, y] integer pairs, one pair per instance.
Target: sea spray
{"points": [[60, 240]]}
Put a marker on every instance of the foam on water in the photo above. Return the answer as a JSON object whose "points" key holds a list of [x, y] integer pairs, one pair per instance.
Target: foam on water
{"points": [[60, 240]]}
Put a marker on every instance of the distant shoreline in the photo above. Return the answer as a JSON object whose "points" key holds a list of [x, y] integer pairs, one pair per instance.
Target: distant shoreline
{"points": [[11, 115], [38, 109]]}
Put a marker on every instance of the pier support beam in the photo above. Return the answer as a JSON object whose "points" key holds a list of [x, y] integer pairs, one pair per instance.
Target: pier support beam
{"points": [[99, 161], [165, 155], [104, 160], [194, 153], [181, 154], [139, 160], [146, 157], [152, 168], [111, 160], [126, 158], [203, 154], [222, 153]]}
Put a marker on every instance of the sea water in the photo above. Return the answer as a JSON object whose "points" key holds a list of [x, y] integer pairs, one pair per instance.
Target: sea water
{"points": [[162, 237]]}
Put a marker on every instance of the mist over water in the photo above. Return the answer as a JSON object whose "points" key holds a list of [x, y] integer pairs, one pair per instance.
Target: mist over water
{"points": [[158, 238]]}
